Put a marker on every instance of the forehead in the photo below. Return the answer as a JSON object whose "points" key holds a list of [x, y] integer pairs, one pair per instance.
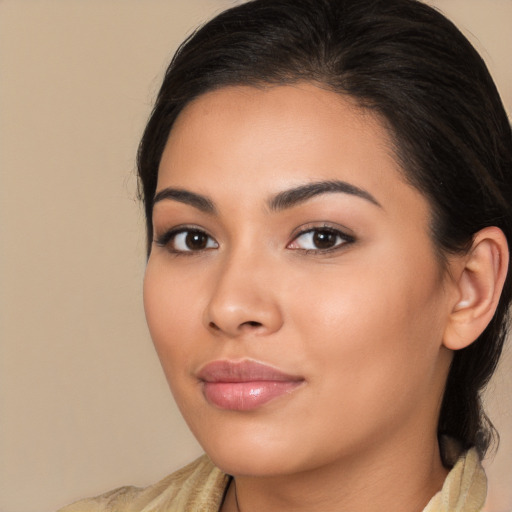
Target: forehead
{"points": [[246, 140], [302, 109]]}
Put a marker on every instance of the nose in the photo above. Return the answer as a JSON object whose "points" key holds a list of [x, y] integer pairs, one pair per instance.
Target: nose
{"points": [[243, 300]]}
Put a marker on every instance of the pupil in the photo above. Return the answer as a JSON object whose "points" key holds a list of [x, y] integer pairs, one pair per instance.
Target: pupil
{"points": [[196, 240], [324, 239]]}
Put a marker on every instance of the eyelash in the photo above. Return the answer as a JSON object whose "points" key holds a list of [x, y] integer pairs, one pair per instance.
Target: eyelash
{"points": [[169, 237]]}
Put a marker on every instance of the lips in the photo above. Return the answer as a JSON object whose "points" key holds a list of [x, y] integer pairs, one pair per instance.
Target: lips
{"points": [[244, 385]]}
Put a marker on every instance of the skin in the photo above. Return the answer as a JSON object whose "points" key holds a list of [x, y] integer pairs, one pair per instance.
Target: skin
{"points": [[361, 323]]}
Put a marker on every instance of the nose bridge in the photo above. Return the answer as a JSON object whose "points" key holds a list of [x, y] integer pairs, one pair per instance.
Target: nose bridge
{"points": [[243, 297]]}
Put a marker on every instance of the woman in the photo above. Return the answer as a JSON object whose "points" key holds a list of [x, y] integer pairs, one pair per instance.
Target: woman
{"points": [[327, 190]]}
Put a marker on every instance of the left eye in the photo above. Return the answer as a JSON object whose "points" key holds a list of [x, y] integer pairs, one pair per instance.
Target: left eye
{"points": [[320, 239]]}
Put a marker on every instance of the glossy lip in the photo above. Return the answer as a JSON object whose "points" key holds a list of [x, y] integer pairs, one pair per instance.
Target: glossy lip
{"points": [[244, 385]]}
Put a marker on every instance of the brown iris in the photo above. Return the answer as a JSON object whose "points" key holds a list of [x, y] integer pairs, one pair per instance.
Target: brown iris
{"points": [[196, 240], [324, 239]]}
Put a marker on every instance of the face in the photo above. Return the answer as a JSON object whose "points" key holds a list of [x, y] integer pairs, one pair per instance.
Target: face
{"points": [[292, 292]]}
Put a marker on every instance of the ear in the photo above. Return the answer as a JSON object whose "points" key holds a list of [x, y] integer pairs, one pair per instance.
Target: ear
{"points": [[479, 282]]}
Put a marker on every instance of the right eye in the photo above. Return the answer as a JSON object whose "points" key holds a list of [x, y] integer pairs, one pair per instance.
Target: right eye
{"points": [[185, 240]]}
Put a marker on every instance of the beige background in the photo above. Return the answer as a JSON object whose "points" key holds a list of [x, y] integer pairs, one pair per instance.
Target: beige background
{"points": [[84, 405]]}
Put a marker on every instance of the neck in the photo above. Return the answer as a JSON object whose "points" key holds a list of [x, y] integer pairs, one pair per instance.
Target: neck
{"points": [[403, 480]]}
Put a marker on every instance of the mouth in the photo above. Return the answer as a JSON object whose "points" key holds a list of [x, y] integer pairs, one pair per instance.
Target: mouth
{"points": [[244, 385]]}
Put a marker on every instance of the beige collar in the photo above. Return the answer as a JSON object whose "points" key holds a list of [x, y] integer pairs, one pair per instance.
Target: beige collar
{"points": [[464, 489]]}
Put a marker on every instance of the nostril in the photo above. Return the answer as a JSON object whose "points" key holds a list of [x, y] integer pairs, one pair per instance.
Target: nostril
{"points": [[252, 323], [249, 324]]}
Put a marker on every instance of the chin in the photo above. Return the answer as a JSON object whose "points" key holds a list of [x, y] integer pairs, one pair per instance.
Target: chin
{"points": [[252, 462], [250, 451]]}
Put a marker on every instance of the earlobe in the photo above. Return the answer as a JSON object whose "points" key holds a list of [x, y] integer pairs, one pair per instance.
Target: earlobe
{"points": [[479, 285]]}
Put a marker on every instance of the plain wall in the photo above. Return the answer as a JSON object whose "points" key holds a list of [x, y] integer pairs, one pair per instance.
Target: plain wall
{"points": [[84, 406]]}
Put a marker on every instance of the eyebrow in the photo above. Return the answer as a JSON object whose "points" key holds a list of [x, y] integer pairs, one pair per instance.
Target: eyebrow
{"points": [[295, 196], [281, 201], [198, 201]]}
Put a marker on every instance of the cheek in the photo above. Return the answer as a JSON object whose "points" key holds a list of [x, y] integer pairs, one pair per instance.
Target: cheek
{"points": [[171, 312], [374, 326]]}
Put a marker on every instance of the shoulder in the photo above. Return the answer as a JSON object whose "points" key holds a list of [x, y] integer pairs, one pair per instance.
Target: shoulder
{"points": [[197, 487]]}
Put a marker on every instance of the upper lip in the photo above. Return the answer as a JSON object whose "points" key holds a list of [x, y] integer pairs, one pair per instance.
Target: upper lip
{"points": [[243, 371]]}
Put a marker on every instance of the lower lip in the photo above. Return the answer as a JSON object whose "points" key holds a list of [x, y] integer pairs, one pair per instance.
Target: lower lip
{"points": [[245, 396]]}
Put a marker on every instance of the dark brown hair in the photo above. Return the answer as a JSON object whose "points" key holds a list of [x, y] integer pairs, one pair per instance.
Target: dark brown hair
{"points": [[412, 67]]}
